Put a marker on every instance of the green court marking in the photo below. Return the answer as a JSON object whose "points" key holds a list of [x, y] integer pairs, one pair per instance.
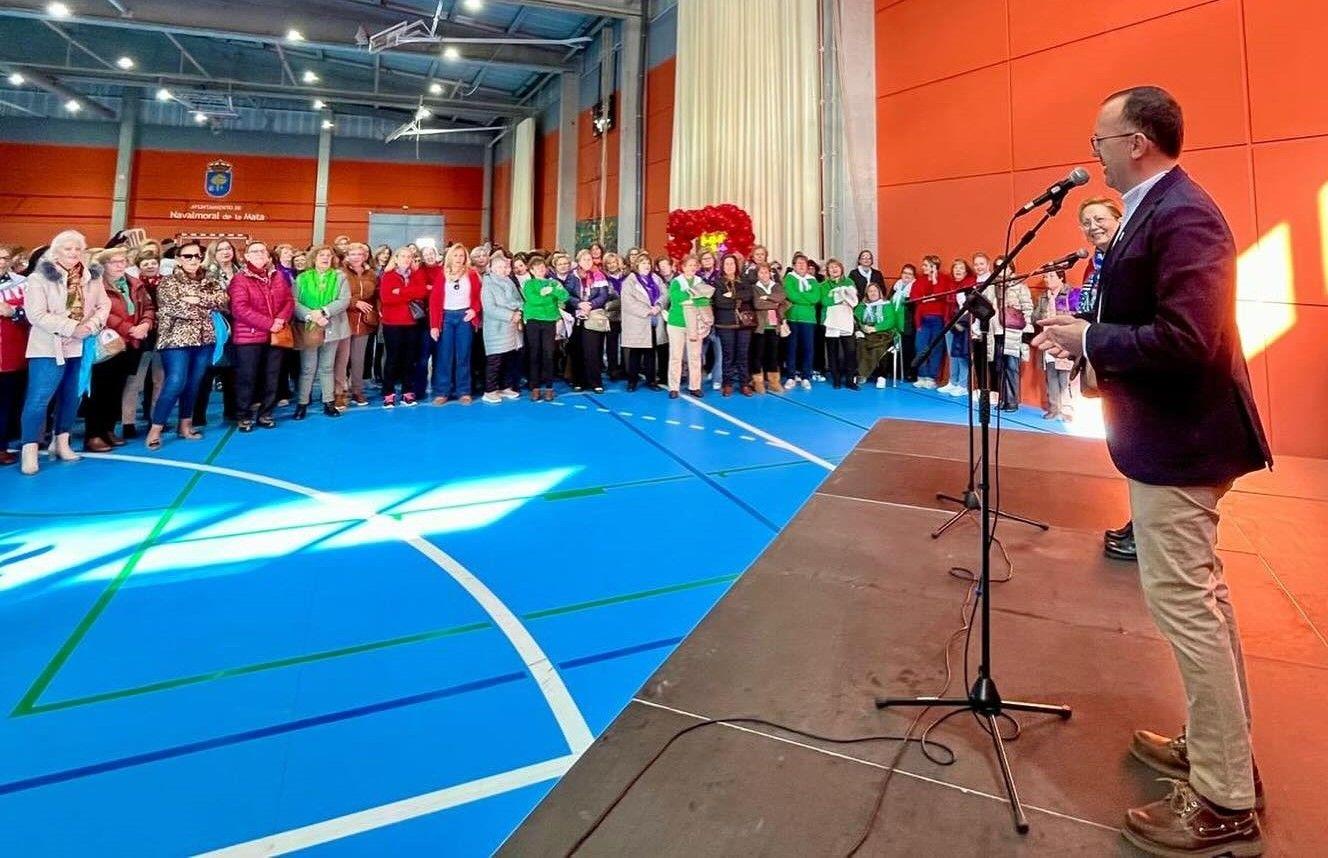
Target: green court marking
{"points": [[4, 513], [573, 493], [342, 652], [44, 679]]}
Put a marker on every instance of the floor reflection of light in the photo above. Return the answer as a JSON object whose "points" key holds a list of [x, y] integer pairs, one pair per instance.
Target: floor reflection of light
{"points": [[1265, 290], [1087, 422]]}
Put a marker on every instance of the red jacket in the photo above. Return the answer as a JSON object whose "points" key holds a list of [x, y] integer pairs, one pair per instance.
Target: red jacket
{"points": [[121, 320], [436, 297], [13, 334], [396, 292], [928, 306], [257, 300]]}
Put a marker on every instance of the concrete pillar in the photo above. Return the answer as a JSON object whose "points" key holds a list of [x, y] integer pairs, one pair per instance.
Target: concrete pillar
{"points": [[124, 160], [631, 83], [565, 230], [320, 185], [486, 212]]}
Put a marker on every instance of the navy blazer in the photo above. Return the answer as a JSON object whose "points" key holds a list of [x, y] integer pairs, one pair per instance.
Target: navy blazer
{"points": [[1177, 399]]}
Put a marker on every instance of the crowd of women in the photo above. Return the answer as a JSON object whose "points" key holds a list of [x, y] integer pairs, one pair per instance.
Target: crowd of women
{"points": [[104, 331]]}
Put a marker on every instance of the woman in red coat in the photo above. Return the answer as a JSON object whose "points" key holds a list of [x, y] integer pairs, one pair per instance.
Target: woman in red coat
{"points": [[133, 316], [403, 301], [261, 306], [13, 353], [930, 315]]}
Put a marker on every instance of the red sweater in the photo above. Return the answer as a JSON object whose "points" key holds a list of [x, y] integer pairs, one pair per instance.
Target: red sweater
{"points": [[13, 334], [923, 288], [395, 294], [436, 296]]}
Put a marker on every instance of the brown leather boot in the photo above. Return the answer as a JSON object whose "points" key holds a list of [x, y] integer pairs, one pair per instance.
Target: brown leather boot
{"points": [[341, 401], [1186, 824], [94, 444], [1171, 757], [772, 382], [758, 382]]}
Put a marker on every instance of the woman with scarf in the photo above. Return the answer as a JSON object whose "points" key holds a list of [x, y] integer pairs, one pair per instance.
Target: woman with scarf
{"points": [[712, 347], [149, 273], [132, 317], [502, 301], [770, 304], [839, 296], [1099, 218], [588, 293], [1059, 299], [66, 306], [322, 296], [402, 297], [643, 322], [363, 319], [687, 326], [804, 296], [222, 265], [455, 314], [735, 318], [261, 306], [186, 340], [615, 271], [542, 296], [880, 324], [957, 341]]}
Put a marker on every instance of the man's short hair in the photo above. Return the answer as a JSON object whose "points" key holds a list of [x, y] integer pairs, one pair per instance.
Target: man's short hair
{"points": [[1153, 111]]}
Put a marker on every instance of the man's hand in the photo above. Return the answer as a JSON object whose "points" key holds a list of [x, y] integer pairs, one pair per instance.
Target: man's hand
{"points": [[1062, 336]]}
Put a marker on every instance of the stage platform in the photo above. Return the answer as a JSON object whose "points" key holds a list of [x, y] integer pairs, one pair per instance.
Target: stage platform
{"points": [[854, 600]]}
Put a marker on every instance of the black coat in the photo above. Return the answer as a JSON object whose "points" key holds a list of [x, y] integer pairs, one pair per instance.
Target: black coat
{"points": [[726, 308], [1177, 399], [862, 282]]}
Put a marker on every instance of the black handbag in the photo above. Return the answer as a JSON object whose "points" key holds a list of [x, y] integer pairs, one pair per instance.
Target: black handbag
{"points": [[418, 310]]}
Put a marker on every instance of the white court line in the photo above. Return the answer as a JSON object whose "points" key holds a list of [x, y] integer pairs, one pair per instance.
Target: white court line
{"points": [[772, 440], [397, 811], [565, 711], [884, 503], [875, 765]]}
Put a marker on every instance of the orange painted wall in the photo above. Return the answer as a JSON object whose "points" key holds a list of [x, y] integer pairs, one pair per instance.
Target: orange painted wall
{"points": [[967, 132], [587, 169], [281, 188], [502, 201], [658, 152]]}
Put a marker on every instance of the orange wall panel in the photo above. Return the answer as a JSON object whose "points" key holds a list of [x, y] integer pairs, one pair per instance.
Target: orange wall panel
{"points": [[1036, 25], [1291, 184], [1285, 42], [952, 128], [30, 214], [926, 40], [1297, 390], [949, 218]]}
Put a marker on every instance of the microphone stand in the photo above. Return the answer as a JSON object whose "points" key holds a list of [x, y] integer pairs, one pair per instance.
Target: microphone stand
{"points": [[969, 501], [983, 699]]}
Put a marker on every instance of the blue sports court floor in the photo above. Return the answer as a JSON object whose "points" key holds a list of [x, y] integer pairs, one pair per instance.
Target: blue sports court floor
{"points": [[384, 634]]}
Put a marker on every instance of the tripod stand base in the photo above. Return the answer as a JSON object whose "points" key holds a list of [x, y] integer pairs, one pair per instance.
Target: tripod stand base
{"points": [[970, 503], [984, 701]]}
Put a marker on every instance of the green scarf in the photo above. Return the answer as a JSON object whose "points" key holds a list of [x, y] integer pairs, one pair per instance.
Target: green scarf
{"points": [[314, 290], [122, 286]]}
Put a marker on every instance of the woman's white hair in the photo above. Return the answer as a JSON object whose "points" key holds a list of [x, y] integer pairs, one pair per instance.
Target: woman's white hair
{"points": [[69, 235]]}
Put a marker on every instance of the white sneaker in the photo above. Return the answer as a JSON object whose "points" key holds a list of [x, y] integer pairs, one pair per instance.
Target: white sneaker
{"points": [[509, 393], [492, 397], [790, 384], [806, 384], [816, 376], [880, 383], [945, 389], [714, 385], [921, 383], [959, 392]]}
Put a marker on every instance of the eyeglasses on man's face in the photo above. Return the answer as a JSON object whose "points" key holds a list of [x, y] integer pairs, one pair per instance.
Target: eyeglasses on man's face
{"points": [[1095, 142]]}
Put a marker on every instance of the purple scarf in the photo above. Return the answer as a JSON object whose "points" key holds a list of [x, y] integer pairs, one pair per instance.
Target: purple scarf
{"points": [[652, 288]]}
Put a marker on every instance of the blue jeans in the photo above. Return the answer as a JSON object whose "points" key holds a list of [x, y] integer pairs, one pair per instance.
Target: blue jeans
{"points": [[451, 359], [1009, 366], [959, 371], [928, 331], [46, 379], [184, 368], [713, 342], [801, 342]]}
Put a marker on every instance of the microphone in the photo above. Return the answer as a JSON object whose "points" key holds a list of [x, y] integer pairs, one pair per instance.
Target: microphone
{"points": [[1078, 176], [1069, 260]]}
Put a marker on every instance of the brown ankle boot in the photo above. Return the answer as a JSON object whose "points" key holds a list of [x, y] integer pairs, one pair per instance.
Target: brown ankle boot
{"points": [[772, 382], [758, 383]]}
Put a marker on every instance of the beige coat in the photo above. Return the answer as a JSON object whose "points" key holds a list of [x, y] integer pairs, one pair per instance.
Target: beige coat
{"points": [[44, 299], [636, 329]]}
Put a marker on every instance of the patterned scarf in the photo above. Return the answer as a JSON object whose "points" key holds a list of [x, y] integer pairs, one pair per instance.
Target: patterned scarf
{"points": [[1088, 295], [873, 312], [74, 291]]}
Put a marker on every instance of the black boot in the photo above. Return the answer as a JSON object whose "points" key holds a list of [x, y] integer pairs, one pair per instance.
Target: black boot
{"points": [[330, 410], [301, 412]]}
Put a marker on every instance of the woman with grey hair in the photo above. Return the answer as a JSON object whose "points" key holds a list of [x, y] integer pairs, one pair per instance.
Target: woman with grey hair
{"points": [[322, 296], [502, 302], [67, 306]]}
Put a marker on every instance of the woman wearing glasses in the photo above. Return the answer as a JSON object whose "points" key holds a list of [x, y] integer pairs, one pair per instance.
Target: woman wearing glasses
{"points": [[186, 339], [262, 306]]}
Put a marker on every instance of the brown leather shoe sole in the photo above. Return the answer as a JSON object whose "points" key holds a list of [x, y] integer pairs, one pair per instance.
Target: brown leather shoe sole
{"points": [[1246, 849]]}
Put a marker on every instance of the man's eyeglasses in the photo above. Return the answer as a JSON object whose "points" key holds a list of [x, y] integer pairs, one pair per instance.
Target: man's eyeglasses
{"points": [[1095, 142], [191, 256]]}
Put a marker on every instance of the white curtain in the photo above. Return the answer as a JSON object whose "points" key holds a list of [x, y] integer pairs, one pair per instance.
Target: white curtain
{"points": [[746, 116], [521, 226]]}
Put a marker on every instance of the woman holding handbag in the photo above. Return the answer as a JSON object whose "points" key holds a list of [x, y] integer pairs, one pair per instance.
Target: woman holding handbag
{"points": [[588, 293], [66, 306], [261, 306], [687, 326], [735, 318], [769, 302], [186, 339], [362, 316], [322, 296], [401, 298], [643, 322], [132, 317]]}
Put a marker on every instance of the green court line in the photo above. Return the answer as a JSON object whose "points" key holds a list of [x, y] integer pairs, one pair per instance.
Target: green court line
{"points": [[342, 652], [4, 513], [44, 679]]}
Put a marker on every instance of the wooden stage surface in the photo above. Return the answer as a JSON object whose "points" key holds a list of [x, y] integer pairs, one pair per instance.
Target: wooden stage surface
{"points": [[854, 600]]}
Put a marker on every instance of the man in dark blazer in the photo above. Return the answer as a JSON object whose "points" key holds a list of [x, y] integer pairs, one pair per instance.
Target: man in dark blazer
{"points": [[1181, 426], [867, 273]]}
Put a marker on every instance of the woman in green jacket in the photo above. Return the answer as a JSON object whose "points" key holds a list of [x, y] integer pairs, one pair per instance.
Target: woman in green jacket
{"points": [[880, 323], [541, 298], [839, 297], [804, 295], [689, 321]]}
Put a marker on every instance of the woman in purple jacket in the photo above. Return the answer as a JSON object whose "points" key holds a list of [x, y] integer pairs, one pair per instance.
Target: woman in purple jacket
{"points": [[261, 306]]}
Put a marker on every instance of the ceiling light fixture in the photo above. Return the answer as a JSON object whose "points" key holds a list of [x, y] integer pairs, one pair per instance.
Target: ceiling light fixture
{"points": [[294, 35], [125, 63], [57, 10], [473, 5], [164, 94], [328, 125], [309, 77], [200, 117], [16, 79], [423, 113], [451, 54], [73, 106], [319, 104], [436, 88]]}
